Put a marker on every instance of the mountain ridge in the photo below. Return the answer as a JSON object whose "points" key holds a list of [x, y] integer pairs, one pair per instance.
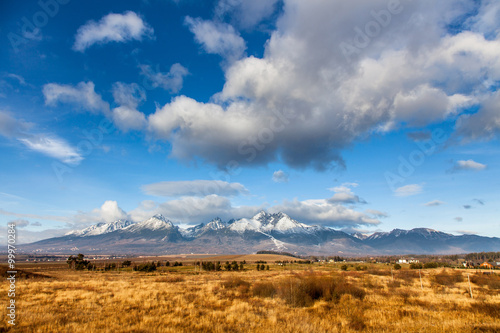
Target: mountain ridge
{"points": [[264, 231]]}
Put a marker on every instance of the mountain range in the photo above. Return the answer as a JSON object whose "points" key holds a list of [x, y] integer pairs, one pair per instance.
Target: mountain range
{"points": [[264, 231]]}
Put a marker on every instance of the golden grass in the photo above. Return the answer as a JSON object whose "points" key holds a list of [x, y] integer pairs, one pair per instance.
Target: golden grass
{"points": [[187, 301]]}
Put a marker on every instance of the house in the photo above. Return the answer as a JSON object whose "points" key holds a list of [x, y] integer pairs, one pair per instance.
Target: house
{"points": [[408, 261], [486, 265]]}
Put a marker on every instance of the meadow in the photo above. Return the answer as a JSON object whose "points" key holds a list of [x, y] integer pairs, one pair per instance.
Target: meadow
{"points": [[51, 297]]}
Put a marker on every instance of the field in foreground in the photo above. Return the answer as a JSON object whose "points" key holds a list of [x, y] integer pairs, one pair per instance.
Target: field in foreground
{"points": [[299, 298]]}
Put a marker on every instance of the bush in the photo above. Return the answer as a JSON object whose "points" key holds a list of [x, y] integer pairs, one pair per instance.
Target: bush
{"points": [[490, 280], [264, 289], [416, 265], [126, 263], [304, 289], [236, 282], [343, 267], [431, 265], [446, 279], [397, 266], [147, 267]]}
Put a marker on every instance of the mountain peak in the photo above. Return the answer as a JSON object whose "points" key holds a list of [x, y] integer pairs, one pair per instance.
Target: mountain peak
{"points": [[156, 222]]}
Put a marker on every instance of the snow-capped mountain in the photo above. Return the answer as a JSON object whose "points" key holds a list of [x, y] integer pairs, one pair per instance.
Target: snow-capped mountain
{"points": [[157, 222], [264, 231], [101, 228], [215, 224], [270, 223]]}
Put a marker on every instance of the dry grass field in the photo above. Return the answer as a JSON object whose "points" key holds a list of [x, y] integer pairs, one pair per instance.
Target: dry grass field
{"points": [[298, 298]]}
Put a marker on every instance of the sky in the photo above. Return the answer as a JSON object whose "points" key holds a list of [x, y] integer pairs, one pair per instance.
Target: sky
{"points": [[361, 116]]}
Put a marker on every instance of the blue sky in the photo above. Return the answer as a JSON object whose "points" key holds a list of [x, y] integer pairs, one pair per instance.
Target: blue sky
{"points": [[362, 117]]}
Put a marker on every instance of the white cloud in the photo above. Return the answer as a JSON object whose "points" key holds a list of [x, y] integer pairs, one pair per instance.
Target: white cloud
{"points": [[110, 212], [200, 188], [126, 116], [412, 74], [19, 78], [245, 14], [126, 119], [408, 190], [217, 38], [171, 81], [464, 165], [434, 203], [376, 213], [112, 28], [21, 223], [54, 147], [323, 212], [467, 232], [47, 144], [128, 94], [82, 95], [195, 210], [458, 219], [344, 194], [280, 177]]}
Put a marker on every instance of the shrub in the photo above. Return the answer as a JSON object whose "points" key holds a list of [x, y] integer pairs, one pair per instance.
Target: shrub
{"points": [[431, 265], [147, 267], [397, 266], [416, 265], [303, 289], [490, 280], [264, 289], [445, 279], [235, 282], [126, 263], [343, 267]]}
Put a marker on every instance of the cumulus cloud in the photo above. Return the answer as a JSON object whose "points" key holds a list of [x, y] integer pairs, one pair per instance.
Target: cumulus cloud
{"points": [[171, 81], [110, 211], [465, 165], [82, 95], [434, 203], [408, 190], [323, 212], [198, 188], [112, 28], [344, 194], [195, 210], [280, 176], [126, 116], [217, 38], [303, 107], [47, 144], [245, 14], [192, 210]]}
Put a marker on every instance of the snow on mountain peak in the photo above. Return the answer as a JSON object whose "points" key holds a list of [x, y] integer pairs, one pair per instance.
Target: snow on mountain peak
{"points": [[154, 223], [265, 222], [101, 228]]}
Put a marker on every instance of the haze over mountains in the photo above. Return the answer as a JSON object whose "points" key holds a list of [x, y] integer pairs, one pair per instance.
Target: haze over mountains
{"points": [[264, 231]]}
